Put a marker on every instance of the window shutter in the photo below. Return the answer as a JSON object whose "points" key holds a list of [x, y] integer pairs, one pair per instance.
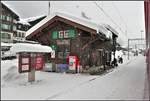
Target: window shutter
{"points": [[54, 35], [71, 33]]}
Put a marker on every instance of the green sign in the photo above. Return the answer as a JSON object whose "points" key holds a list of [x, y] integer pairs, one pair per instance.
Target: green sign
{"points": [[54, 47], [66, 34]]}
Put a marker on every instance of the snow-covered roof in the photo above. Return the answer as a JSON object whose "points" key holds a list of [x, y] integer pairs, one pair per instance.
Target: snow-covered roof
{"points": [[10, 8], [111, 29], [6, 44], [33, 18], [26, 47], [24, 22], [89, 23]]}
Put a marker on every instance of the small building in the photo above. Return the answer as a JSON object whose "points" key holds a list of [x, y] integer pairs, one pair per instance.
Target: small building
{"points": [[22, 27], [8, 23], [69, 35]]}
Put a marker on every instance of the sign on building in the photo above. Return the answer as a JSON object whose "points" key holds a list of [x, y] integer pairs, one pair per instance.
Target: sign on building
{"points": [[63, 34], [63, 42]]}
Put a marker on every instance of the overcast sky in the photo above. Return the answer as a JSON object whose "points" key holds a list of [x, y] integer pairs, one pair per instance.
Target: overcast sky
{"points": [[126, 15]]}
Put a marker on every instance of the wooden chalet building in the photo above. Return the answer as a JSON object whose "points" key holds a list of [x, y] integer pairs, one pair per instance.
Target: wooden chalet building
{"points": [[74, 36]]}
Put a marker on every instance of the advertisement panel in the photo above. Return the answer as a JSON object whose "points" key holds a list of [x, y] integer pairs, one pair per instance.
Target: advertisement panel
{"points": [[39, 62]]}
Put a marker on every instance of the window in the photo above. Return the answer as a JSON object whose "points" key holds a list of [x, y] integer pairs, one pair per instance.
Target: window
{"points": [[19, 26], [5, 26], [66, 34], [23, 35], [61, 34], [5, 35], [14, 28], [1, 17], [19, 34], [8, 18], [60, 55], [4, 17]]}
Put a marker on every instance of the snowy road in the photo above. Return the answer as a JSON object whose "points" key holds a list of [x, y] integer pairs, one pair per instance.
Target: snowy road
{"points": [[124, 82]]}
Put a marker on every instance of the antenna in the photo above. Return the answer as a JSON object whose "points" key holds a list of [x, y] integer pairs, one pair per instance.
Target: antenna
{"points": [[49, 5]]}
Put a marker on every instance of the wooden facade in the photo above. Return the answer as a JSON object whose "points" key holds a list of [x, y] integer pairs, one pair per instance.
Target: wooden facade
{"points": [[70, 38], [8, 21]]}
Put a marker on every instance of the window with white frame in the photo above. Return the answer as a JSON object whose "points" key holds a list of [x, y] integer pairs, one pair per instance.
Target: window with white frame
{"points": [[66, 34], [5, 35], [61, 34], [8, 18], [60, 55], [5, 26]]}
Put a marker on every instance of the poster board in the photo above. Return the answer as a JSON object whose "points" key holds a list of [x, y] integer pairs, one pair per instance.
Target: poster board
{"points": [[24, 62]]}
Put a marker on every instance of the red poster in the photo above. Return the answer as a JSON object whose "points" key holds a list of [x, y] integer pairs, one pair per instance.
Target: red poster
{"points": [[39, 62]]}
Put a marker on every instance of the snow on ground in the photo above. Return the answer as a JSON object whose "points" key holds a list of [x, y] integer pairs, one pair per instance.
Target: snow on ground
{"points": [[124, 82]]}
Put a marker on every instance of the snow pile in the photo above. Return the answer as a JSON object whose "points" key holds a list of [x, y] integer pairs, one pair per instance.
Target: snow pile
{"points": [[26, 47], [80, 20], [12, 75], [6, 44], [9, 73], [33, 18]]}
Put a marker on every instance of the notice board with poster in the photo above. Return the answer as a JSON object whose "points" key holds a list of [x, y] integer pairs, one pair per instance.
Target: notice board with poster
{"points": [[24, 62]]}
